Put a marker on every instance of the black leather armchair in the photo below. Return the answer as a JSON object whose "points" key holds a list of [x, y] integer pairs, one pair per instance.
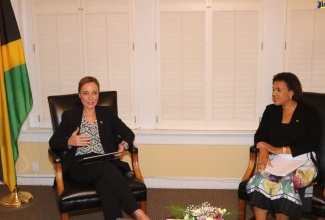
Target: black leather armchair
{"points": [[318, 201], [71, 196]]}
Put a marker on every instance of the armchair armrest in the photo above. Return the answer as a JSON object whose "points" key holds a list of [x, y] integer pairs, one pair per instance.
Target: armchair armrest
{"points": [[135, 162], [56, 158], [58, 170], [253, 152]]}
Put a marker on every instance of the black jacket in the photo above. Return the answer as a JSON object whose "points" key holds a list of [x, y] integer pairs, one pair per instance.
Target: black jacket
{"points": [[304, 129], [109, 126]]}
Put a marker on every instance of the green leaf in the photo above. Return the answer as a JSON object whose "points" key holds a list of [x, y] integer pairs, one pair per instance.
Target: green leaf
{"points": [[230, 213], [177, 211]]}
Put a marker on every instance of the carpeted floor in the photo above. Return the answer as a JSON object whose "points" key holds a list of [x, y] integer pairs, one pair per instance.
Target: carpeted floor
{"points": [[43, 207]]}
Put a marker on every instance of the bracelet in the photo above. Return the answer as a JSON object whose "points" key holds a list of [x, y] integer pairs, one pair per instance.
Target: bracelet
{"points": [[284, 149]]}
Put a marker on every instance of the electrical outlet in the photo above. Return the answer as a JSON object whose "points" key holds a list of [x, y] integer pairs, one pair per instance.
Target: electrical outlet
{"points": [[35, 166]]}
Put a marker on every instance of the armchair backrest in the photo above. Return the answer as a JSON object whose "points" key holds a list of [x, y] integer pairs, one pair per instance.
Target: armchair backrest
{"points": [[60, 103], [318, 101]]}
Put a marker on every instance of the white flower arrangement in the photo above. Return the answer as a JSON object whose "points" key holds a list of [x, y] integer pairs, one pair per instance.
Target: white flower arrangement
{"points": [[201, 212]]}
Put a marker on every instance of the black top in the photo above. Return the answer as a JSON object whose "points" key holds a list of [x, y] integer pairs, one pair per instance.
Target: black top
{"points": [[301, 134]]}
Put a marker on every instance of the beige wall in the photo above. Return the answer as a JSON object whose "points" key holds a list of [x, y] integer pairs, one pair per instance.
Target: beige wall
{"points": [[158, 160]]}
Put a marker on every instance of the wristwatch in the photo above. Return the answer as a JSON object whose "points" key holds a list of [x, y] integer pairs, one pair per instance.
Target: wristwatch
{"points": [[126, 145]]}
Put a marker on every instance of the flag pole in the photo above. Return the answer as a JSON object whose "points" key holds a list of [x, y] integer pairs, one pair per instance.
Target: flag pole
{"points": [[16, 199]]}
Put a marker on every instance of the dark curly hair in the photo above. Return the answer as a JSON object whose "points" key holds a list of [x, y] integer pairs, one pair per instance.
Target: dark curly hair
{"points": [[292, 82], [87, 79]]}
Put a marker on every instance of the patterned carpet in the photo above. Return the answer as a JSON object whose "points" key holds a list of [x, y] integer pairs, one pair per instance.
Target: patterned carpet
{"points": [[43, 207]]}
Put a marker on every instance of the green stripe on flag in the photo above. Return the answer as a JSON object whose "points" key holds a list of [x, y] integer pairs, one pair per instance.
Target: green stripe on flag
{"points": [[19, 99]]}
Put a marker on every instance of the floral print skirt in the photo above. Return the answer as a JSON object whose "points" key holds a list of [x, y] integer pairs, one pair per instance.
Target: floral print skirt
{"points": [[289, 195]]}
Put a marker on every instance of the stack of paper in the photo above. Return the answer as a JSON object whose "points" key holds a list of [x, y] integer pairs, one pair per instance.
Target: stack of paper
{"points": [[282, 166]]}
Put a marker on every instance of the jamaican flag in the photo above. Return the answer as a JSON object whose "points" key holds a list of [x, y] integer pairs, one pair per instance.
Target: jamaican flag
{"points": [[15, 93]]}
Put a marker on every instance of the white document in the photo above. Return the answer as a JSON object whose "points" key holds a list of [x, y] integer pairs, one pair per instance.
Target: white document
{"points": [[281, 166]]}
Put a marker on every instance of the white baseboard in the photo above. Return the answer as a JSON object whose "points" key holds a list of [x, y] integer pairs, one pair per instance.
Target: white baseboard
{"points": [[192, 183], [35, 179], [151, 182]]}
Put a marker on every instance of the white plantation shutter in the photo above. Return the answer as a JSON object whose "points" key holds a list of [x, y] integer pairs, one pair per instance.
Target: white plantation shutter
{"points": [[62, 4], [232, 2], [305, 48], [181, 3], [108, 45], [209, 58], [235, 61], [58, 51], [78, 38], [182, 67], [181, 64]]}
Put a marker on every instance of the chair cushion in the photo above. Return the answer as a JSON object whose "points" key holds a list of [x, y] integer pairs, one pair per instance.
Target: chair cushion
{"points": [[77, 197]]}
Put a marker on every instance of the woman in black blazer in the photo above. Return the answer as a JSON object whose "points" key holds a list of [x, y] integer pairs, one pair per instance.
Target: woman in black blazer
{"points": [[89, 130], [289, 130]]}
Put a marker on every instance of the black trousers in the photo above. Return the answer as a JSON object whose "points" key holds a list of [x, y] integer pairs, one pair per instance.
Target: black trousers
{"points": [[110, 185]]}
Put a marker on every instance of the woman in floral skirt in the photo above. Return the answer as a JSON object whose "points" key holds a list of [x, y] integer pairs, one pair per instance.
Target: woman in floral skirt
{"points": [[288, 130]]}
